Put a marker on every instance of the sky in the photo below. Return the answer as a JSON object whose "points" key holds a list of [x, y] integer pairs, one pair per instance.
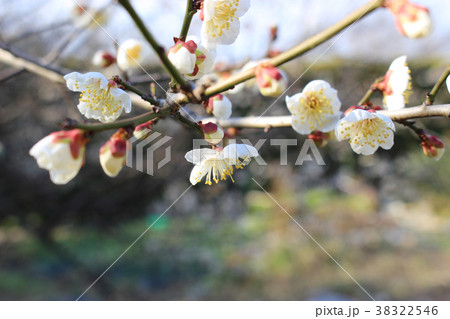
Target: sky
{"points": [[374, 38]]}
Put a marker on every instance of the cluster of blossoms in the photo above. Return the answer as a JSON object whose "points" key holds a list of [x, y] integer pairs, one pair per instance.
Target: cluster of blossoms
{"points": [[316, 111]]}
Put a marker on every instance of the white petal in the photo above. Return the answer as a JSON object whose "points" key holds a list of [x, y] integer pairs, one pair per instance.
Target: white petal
{"points": [[209, 9], [242, 8], [123, 97], [330, 123], [398, 63], [316, 85], [389, 141], [342, 128], [387, 120], [234, 151], [448, 83], [183, 60], [198, 155], [394, 101], [61, 177], [197, 173], [301, 128], [358, 115], [222, 109], [365, 149], [230, 35], [292, 102]]}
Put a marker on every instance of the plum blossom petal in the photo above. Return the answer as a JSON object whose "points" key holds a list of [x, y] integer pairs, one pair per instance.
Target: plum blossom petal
{"points": [[216, 164], [366, 131], [100, 99], [316, 108]]}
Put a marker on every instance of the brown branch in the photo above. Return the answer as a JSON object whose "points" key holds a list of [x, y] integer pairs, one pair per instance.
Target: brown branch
{"points": [[442, 110], [21, 61]]}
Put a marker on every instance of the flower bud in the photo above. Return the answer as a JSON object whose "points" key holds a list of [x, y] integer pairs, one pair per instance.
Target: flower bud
{"points": [[212, 133], [61, 153], [219, 106], [433, 147], [271, 81], [103, 59], [182, 55], [319, 138], [113, 153], [411, 19], [142, 131], [204, 60]]}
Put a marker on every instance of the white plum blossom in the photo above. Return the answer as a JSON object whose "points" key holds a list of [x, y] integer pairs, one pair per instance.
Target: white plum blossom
{"points": [[396, 86], [221, 21], [182, 56], [412, 20], [61, 153], [131, 54], [100, 99], [217, 164], [366, 131], [316, 108], [219, 106]]}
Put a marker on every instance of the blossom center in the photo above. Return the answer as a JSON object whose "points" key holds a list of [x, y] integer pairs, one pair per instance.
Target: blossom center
{"points": [[315, 107], [96, 98], [134, 52], [224, 13], [218, 169], [369, 131]]}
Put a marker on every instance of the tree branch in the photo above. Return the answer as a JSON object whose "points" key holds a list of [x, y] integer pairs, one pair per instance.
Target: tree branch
{"points": [[20, 60], [442, 110]]}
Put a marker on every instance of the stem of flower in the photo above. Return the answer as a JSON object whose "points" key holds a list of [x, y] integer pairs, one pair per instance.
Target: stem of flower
{"points": [[155, 45], [300, 49], [190, 12], [133, 89], [189, 123], [432, 94], [366, 98], [133, 121], [442, 110]]}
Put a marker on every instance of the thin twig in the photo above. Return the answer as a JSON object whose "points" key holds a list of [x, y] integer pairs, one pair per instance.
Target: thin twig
{"points": [[366, 98], [190, 12], [432, 94], [130, 122], [442, 110]]}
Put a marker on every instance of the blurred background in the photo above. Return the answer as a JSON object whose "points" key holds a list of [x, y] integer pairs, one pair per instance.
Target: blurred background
{"points": [[385, 218]]}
